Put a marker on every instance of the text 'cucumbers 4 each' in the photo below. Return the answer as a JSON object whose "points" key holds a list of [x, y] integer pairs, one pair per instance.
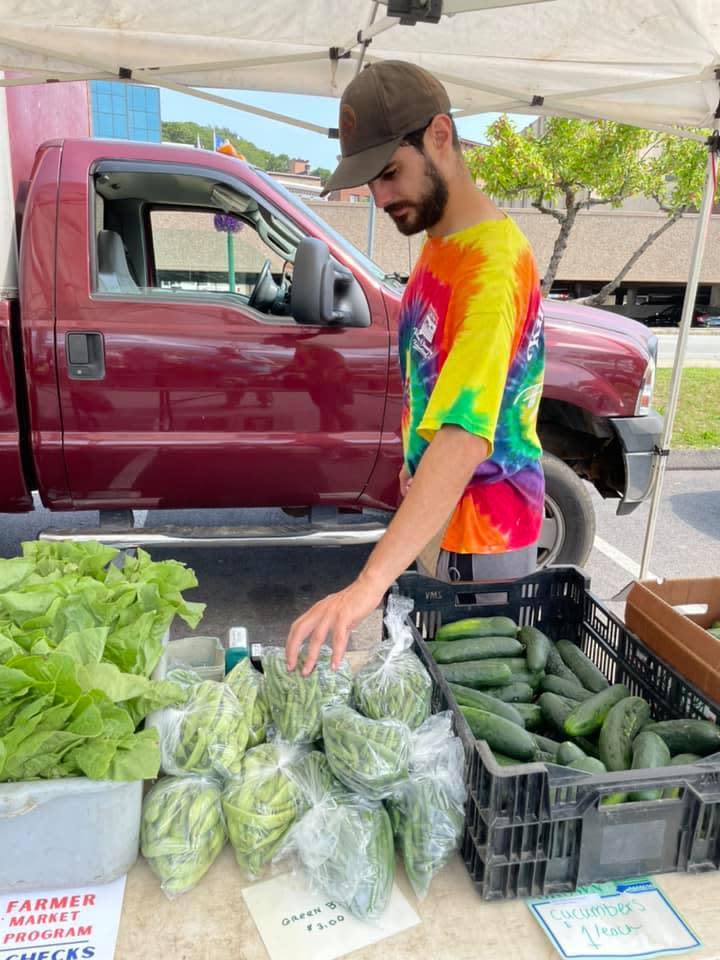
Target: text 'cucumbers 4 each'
{"points": [[394, 684], [262, 804], [182, 830], [369, 756], [296, 702], [248, 685], [206, 736]]}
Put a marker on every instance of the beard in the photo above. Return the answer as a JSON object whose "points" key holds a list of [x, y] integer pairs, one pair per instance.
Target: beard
{"points": [[424, 213]]}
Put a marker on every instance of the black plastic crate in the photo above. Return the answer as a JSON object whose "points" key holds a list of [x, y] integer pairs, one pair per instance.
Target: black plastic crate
{"points": [[540, 829]]}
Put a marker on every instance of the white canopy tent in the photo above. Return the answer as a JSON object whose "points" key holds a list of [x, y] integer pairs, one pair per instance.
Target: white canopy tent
{"points": [[649, 63]]}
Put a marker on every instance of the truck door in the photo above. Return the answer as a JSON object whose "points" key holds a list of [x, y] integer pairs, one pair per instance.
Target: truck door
{"points": [[184, 381]]}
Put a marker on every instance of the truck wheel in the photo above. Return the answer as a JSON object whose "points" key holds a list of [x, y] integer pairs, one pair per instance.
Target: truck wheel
{"points": [[568, 530]]}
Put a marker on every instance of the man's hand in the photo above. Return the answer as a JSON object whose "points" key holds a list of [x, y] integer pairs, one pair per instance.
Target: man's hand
{"points": [[445, 468], [337, 614], [404, 479]]}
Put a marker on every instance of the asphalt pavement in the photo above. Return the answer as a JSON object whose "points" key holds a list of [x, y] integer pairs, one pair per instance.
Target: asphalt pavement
{"points": [[265, 588]]}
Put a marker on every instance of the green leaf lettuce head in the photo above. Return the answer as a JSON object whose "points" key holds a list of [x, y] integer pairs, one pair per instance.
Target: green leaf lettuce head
{"points": [[79, 638]]}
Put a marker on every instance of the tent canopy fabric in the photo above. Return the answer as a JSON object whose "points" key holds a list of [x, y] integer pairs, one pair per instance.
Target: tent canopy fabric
{"points": [[649, 63]]}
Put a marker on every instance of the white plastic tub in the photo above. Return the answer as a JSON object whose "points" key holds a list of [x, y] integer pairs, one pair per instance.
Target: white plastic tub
{"points": [[63, 833]]}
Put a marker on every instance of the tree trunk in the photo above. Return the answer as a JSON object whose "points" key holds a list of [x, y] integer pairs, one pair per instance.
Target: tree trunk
{"points": [[561, 242], [609, 288]]}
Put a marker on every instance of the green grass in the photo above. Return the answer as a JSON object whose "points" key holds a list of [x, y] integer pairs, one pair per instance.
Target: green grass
{"points": [[697, 422]]}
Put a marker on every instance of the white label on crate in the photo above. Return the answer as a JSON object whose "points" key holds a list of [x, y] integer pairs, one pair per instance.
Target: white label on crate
{"points": [[630, 918], [296, 922], [75, 924]]}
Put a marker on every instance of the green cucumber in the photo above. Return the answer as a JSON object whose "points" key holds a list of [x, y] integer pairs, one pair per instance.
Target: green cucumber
{"points": [[477, 673], [569, 752], [588, 765], [512, 693], [556, 666], [613, 798], [477, 627], [537, 647], [680, 759], [475, 648], [531, 714], [589, 746], [590, 714], [546, 745], [517, 664], [555, 709], [582, 666], [649, 751], [566, 688], [504, 760], [468, 697], [688, 736], [500, 734], [533, 680], [620, 727]]}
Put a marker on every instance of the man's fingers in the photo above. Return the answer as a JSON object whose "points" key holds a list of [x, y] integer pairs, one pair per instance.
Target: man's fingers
{"points": [[339, 644], [298, 631], [316, 641]]}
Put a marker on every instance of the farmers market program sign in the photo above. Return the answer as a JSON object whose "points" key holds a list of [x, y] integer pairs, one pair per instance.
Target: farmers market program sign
{"points": [[78, 924]]}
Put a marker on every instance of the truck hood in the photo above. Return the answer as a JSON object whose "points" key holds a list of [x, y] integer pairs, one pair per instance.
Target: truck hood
{"points": [[577, 313]]}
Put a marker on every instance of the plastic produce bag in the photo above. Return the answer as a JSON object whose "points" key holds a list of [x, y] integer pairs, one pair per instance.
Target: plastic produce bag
{"points": [[369, 756], [428, 811], [394, 684], [182, 830], [346, 849], [206, 736], [296, 702], [248, 685], [262, 804]]}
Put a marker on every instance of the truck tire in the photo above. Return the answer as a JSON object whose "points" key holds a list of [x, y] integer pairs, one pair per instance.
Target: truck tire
{"points": [[569, 526]]}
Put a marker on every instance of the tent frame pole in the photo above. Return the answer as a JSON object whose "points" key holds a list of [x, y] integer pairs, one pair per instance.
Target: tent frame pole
{"points": [[661, 454]]}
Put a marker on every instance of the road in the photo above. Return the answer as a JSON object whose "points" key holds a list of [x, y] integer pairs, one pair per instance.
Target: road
{"points": [[266, 588], [703, 349]]}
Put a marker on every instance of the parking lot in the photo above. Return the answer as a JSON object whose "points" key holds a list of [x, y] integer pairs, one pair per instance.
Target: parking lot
{"points": [[264, 588]]}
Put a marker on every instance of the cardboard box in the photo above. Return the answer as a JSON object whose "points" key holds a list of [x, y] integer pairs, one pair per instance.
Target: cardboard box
{"points": [[679, 637]]}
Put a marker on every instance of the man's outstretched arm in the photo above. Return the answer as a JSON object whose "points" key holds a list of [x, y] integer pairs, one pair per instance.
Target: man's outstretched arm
{"points": [[445, 469]]}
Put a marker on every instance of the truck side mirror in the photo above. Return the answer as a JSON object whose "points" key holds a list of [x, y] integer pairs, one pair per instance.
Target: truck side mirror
{"points": [[323, 291]]}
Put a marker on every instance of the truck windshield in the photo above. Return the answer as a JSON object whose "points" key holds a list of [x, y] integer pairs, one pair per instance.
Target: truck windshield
{"points": [[365, 262]]}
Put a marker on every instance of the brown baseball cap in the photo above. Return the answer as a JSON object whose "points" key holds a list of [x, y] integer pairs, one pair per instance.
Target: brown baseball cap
{"points": [[383, 104]]}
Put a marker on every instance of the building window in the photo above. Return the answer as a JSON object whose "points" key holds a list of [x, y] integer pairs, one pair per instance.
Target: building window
{"points": [[124, 110]]}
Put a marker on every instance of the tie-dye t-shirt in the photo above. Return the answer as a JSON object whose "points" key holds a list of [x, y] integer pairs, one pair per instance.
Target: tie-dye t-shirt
{"points": [[472, 354]]}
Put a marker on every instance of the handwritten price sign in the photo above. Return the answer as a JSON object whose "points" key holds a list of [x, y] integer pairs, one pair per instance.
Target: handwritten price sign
{"points": [[610, 921]]}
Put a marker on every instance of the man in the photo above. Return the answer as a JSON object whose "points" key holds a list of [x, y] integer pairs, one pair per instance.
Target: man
{"points": [[471, 357]]}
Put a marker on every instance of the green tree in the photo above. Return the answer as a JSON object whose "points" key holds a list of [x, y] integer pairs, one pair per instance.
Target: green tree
{"points": [[574, 163], [321, 172], [675, 178], [194, 133]]}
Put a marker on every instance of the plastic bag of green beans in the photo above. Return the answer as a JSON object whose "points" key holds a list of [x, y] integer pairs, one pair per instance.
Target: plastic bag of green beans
{"points": [[394, 684], [427, 812], [182, 830]]}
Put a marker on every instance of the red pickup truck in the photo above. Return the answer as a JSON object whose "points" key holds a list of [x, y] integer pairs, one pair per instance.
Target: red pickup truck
{"points": [[188, 334]]}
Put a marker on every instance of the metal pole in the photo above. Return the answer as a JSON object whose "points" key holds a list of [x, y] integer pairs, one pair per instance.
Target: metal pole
{"points": [[661, 455], [231, 261], [371, 228]]}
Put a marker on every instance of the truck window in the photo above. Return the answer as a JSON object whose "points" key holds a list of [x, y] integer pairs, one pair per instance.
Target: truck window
{"points": [[206, 250]]}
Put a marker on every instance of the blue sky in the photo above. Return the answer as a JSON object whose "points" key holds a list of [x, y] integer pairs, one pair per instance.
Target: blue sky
{"points": [[280, 137]]}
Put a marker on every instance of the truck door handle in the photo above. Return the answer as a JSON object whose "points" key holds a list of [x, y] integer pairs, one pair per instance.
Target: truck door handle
{"points": [[85, 356]]}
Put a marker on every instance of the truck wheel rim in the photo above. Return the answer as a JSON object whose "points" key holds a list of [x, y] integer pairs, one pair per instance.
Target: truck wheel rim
{"points": [[552, 535]]}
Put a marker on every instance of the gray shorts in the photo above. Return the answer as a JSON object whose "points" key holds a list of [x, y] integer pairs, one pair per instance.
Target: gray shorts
{"points": [[484, 567]]}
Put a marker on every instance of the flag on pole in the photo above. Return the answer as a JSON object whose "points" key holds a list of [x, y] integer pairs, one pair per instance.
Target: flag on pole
{"points": [[217, 140]]}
